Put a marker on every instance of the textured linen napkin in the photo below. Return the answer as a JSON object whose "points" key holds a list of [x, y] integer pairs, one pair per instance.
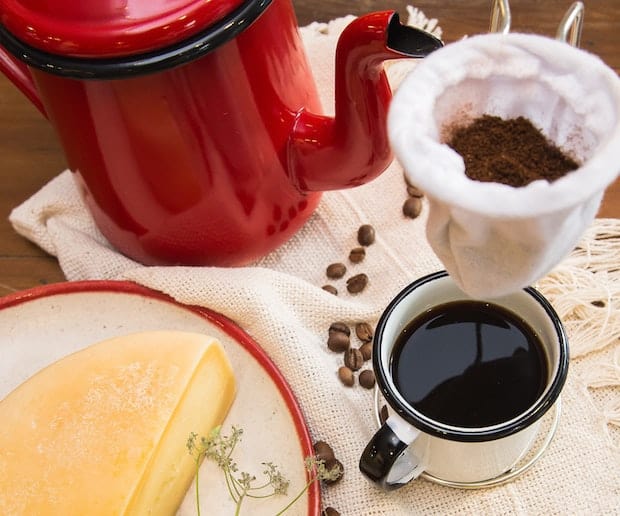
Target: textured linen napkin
{"points": [[279, 301]]}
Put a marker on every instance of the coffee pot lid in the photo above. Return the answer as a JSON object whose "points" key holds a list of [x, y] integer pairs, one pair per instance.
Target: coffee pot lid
{"points": [[111, 28]]}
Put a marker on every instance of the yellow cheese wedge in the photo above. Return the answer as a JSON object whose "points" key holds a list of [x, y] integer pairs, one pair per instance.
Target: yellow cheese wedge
{"points": [[104, 431]]}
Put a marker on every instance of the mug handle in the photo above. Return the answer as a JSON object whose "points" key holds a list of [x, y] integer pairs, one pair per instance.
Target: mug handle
{"points": [[387, 459]]}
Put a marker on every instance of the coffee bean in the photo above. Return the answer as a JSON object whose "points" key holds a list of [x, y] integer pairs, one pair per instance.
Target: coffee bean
{"points": [[366, 350], [364, 331], [357, 283], [384, 414], [357, 255], [346, 376], [412, 207], [340, 327], [336, 270], [331, 289], [366, 235], [367, 379], [329, 511], [338, 341], [323, 451], [414, 191], [331, 465], [353, 359], [598, 303]]}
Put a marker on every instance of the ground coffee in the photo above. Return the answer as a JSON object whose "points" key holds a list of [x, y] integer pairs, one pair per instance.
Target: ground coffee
{"points": [[511, 151]]}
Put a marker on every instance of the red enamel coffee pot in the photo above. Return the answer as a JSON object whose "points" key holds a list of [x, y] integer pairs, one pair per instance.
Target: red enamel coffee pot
{"points": [[193, 128]]}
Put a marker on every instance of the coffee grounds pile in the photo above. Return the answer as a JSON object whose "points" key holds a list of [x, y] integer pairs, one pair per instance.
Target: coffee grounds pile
{"points": [[511, 151]]}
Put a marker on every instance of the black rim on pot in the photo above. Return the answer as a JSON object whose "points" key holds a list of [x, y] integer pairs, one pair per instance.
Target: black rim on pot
{"points": [[498, 431], [139, 64]]}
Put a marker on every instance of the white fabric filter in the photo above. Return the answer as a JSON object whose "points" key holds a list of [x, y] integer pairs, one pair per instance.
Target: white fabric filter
{"points": [[278, 300], [494, 238]]}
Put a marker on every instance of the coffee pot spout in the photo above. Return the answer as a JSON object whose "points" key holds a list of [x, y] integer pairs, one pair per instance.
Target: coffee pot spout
{"points": [[351, 148]]}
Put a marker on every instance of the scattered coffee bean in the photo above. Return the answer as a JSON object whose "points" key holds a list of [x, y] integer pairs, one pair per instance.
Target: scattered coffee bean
{"points": [[353, 359], [336, 270], [366, 350], [598, 303], [339, 337], [357, 283], [357, 255], [412, 207], [384, 414], [331, 465], [366, 235], [367, 379], [331, 289], [329, 511], [364, 331], [323, 451], [338, 341], [346, 376], [414, 191], [341, 327]]}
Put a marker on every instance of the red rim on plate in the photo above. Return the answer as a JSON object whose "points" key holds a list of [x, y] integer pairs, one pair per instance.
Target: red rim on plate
{"points": [[224, 323]]}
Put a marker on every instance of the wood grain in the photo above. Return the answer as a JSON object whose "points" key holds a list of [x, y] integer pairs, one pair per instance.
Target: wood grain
{"points": [[30, 154]]}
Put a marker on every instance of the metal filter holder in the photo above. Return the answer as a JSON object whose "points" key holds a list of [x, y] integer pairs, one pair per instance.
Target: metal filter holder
{"points": [[568, 31]]}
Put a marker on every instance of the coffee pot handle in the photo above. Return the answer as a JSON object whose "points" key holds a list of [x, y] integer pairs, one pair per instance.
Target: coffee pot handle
{"points": [[19, 74], [387, 459]]}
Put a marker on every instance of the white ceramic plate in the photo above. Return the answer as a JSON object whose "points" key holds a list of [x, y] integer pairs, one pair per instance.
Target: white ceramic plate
{"points": [[41, 325]]}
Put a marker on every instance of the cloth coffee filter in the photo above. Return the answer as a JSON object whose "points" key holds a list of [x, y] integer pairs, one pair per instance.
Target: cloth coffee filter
{"points": [[491, 237]]}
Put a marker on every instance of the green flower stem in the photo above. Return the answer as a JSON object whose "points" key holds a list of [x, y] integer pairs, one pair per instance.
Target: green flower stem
{"points": [[258, 488], [299, 495], [197, 489], [231, 486], [258, 497], [219, 449], [238, 510]]}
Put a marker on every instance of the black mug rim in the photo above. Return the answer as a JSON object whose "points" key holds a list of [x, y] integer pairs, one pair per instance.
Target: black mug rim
{"points": [[463, 434]]}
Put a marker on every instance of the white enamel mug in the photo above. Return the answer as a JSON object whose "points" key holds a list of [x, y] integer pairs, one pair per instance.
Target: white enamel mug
{"points": [[410, 443]]}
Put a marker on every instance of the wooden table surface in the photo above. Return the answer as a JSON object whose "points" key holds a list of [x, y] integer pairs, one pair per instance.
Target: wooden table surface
{"points": [[30, 154]]}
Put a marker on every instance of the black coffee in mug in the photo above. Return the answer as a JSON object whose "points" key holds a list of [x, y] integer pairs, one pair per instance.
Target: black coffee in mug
{"points": [[469, 364]]}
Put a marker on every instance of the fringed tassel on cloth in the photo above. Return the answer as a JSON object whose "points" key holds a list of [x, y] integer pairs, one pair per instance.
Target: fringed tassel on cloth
{"points": [[607, 375], [585, 289]]}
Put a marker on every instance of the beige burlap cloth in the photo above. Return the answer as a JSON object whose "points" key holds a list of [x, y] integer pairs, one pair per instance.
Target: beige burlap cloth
{"points": [[279, 301]]}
